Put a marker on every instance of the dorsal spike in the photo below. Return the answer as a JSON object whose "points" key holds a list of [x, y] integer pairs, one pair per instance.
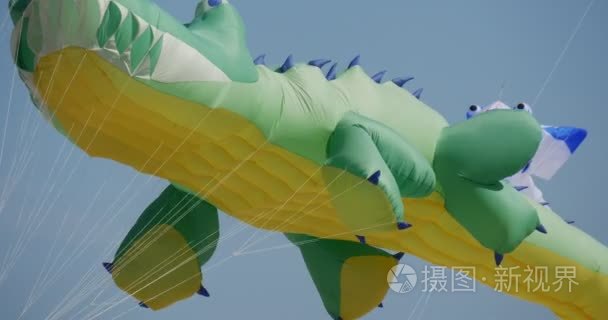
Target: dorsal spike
{"points": [[332, 73], [378, 76], [399, 255], [214, 3], [401, 81], [354, 62], [418, 93], [319, 63], [288, 64], [260, 60]]}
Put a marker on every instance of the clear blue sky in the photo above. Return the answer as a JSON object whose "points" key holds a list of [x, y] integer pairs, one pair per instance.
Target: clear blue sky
{"points": [[461, 52]]}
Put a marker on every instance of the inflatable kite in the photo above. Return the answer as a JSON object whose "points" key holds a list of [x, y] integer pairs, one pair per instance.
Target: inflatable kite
{"points": [[341, 162]]}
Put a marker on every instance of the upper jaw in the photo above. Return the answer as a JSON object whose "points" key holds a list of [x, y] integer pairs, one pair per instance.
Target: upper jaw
{"points": [[488, 148]]}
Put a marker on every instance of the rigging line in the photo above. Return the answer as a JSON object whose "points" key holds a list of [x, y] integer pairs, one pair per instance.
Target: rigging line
{"points": [[563, 53], [502, 90]]}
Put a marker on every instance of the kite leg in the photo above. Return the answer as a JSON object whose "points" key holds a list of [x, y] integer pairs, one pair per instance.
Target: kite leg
{"points": [[159, 261], [369, 150], [350, 277]]}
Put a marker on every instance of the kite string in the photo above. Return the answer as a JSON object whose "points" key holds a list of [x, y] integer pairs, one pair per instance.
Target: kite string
{"points": [[563, 53]]}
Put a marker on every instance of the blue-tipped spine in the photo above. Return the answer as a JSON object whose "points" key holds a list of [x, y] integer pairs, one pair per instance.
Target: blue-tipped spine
{"points": [[288, 64], [400, 82], [214, 3], [355, 62], [378, 76], [319, 63], [260, 60], [332, 73]]}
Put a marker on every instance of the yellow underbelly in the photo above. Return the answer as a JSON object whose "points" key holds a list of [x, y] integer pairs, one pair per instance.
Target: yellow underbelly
{"points": [[228, 161]]}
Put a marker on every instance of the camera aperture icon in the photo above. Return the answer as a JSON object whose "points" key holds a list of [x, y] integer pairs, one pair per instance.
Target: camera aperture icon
{"points": [[402, 278]]}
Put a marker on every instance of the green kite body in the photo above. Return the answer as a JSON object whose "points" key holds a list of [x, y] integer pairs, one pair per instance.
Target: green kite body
{"points": [[380, 153]]}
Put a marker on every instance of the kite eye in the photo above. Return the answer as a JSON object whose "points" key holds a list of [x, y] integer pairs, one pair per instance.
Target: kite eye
{"points": [[523, 107], [473, 110]]}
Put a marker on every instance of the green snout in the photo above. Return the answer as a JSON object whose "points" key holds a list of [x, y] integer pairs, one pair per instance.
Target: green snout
{"points": [[489, 147]]}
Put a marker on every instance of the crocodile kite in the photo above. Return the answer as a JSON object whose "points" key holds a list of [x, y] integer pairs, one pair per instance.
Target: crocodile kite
{"points": [[342, 163]]}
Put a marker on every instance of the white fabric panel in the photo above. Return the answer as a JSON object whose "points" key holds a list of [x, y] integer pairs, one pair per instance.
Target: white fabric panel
{"points": [[552, 154]]}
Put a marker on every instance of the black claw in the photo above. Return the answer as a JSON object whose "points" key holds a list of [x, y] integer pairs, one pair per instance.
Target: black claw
{"points": [[521, 188], [570, 221], [260, 60], [203, 292], [381, 305], [545, 203], [319, 63], [143, 305], [378, 76], [418, 93], [361, 239], [400, 82], [498, 258], [540, 228], [108, 266], [403, 225], [398, 256], [374, 178]]}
